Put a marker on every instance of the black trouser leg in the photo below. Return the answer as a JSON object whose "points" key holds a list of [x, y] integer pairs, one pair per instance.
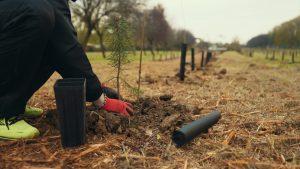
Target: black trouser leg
{"points": [[33, 31], [25, 30], [44, 73]]}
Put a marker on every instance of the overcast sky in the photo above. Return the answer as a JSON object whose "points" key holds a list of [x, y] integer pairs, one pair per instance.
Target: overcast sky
{"points": [[223, 20]]}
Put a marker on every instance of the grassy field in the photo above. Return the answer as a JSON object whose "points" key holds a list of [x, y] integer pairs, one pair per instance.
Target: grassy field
{"points": [[260, 56], [147, 56]]}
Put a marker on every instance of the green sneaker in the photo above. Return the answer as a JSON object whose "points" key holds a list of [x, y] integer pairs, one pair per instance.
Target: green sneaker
{"points": [[33, 112], [17, 130]]}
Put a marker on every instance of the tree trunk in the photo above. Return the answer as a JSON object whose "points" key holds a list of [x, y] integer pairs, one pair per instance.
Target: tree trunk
{"points": [[267, 54], [151, 49], [159, 54], [101, 42], [273, 57], [293, 57], [153, 54], [86, 38]]}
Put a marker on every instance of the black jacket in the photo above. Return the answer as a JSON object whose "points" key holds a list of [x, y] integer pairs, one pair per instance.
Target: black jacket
{"points": [[77, 62]]}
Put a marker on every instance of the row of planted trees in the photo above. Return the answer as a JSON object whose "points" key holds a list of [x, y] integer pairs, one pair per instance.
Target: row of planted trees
{"points": [[282, 43], [205, 56], [122, 46], [283, 55]]}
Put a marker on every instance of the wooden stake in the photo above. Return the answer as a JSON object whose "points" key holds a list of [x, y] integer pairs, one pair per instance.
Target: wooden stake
{"points": [[141, 54]]}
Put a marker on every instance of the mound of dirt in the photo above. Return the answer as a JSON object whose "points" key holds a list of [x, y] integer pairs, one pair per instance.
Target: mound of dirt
{"points": [[98, 123], [223, 71], [148, 79], [166, 97], [161, 114], [152, 114]]}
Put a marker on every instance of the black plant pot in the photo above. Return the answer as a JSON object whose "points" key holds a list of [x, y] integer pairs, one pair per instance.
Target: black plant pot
{"points": [[70, 97]]}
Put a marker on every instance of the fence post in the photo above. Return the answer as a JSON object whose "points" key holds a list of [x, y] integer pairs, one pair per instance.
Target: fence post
{"points": [[182, 61], [283, 54], [193, 59]]}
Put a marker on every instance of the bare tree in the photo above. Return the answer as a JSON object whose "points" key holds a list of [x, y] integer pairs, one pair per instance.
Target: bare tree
{"points": [[157, 28], [183, 36], [90, 13], [94, 14]]}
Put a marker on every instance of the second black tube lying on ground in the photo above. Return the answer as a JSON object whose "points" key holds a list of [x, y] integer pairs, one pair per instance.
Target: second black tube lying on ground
{"points": [[188, 132]]}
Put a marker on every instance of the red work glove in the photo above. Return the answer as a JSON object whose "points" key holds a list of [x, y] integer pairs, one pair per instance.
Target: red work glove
{"points": [[118, 106]]}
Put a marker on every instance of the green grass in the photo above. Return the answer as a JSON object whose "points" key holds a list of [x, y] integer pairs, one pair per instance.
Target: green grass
{"points": [[260, 56], [97, 56]]}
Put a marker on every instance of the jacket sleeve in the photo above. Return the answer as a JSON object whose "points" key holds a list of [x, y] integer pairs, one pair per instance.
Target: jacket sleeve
{"points": [[69, 57], [76, 65]]}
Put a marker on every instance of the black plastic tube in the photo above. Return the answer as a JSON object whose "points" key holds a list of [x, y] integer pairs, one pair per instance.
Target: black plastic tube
{"points": [[188, 132], [202, 60], [208, 57], [70, 95], [193, 59]]}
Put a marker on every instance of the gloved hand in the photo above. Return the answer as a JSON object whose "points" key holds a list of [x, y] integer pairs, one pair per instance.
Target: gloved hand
{"points": [[118, 106]]}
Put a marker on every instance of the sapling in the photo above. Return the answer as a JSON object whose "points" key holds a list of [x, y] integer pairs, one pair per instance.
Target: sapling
{"points": [[120, 45]]}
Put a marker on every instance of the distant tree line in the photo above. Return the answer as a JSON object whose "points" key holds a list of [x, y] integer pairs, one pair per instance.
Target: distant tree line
{"points": [[286, 35], [263, 40], [92, 19]]}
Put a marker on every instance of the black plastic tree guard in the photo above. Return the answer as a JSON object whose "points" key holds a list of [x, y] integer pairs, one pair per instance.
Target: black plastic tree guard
{"points": [[202, 60], [193, 59], [208, 56], [182, 61], [188, 132], [70, 95]]}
